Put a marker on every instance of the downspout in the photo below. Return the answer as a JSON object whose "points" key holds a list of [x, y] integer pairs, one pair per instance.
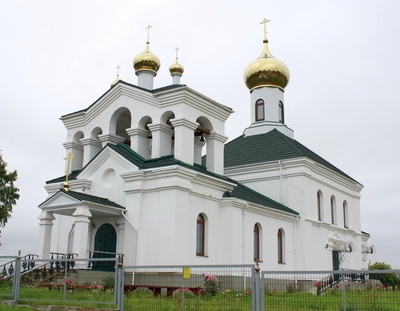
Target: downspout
{"points": [[295, 242], [135, 236], [280, 181], [69, 238], [243, 240]]}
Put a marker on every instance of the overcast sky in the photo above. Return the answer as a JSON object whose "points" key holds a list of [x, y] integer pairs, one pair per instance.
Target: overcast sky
{"points": [[57, 57]]}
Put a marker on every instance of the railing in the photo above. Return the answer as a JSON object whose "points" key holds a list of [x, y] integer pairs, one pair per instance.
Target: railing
{"points": [[104, 265], [27, 263]]}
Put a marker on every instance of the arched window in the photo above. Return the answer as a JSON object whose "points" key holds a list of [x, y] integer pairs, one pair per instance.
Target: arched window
{"points": [[260, 110], [200, 235], [257, 242], [319, 205], [281, 113], [345, 215], [281, 246], [333, 210]]}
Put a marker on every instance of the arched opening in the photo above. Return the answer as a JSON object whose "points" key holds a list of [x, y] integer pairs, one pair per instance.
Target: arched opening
{"points": [[77, 151], [260, 110], [281, 246], [345, 215], [167, 134], [105, 245], [333, 210], [95, 142], [143, 139], [201, 235], [257, 233], [201, 136], [120, 122], [281, 113], [320, 205]]}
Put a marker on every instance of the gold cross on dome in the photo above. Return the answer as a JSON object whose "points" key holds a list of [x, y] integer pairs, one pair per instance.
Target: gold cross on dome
{"points": [[265, 21], [176, 52], [68, 159], [148, 32]]}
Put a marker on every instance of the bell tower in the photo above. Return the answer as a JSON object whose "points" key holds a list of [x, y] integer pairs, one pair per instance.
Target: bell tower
{"points": [[266, 78]]}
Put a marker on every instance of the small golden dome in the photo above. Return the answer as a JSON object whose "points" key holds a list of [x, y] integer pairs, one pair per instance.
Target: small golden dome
{"points": [[176, 68], [146, 61], [266, 70]]}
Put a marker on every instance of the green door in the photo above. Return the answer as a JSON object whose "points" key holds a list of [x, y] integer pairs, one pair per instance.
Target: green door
{"points": [[105, 245], [336, 264]]}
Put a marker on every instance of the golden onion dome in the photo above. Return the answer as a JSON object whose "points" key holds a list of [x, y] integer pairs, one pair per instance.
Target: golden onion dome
{"points": [[146, 61], [266, 70], [176, 68]]}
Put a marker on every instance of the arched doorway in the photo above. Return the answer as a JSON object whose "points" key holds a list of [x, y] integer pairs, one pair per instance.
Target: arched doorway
{"points": [[105, 245]]}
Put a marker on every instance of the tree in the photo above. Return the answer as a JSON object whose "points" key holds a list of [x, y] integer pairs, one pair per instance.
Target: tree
{"points": [[8, 192], [388, 279]]}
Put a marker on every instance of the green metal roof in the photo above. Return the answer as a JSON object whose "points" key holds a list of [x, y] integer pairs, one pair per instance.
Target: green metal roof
{"points": [[240, 191], [88, 198], [245, 193], [267, 147]]}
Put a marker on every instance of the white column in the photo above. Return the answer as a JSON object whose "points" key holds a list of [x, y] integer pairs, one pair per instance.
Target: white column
{"points": [[215, 152], [110, 138], [184, 142], [77, 151], [81, 231], [161, 135], [120, 235], [140, 142], [90, 148], [45, 227]]}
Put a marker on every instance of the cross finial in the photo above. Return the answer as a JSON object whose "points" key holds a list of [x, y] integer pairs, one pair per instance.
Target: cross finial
{"points": [[176, 51], [265, 21], [118, 70], [67, 171], [148, 32]]}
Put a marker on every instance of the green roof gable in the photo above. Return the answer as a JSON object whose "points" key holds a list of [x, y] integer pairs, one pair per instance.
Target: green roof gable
{"points": [[88, 198]]}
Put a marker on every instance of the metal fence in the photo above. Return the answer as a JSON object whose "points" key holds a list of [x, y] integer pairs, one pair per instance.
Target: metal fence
{"points": [[374, 290], [189, 287], [64, 281], [106, 283]]}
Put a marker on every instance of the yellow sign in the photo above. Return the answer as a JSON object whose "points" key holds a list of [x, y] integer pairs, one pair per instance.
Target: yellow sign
{"points": [[186, 273]]}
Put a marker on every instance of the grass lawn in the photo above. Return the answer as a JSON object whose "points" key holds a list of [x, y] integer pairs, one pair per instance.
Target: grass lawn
{"points": [[368, 300]]}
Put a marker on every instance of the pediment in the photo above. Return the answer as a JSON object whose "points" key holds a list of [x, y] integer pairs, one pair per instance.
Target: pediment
{"points": [[60, 199], [335, 237], [107, 159]]}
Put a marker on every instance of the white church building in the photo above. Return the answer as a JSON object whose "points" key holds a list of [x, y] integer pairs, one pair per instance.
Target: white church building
{"points": [[151, 176]]}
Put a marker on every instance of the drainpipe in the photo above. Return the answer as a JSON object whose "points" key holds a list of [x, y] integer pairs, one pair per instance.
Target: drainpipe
{"points": [[243, 240], [135, 236], [280, 181], [69, 238], [295, 242]]}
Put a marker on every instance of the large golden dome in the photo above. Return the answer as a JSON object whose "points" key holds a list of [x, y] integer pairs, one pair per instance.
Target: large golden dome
{"points": [[146, 61], [266, 70]]}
